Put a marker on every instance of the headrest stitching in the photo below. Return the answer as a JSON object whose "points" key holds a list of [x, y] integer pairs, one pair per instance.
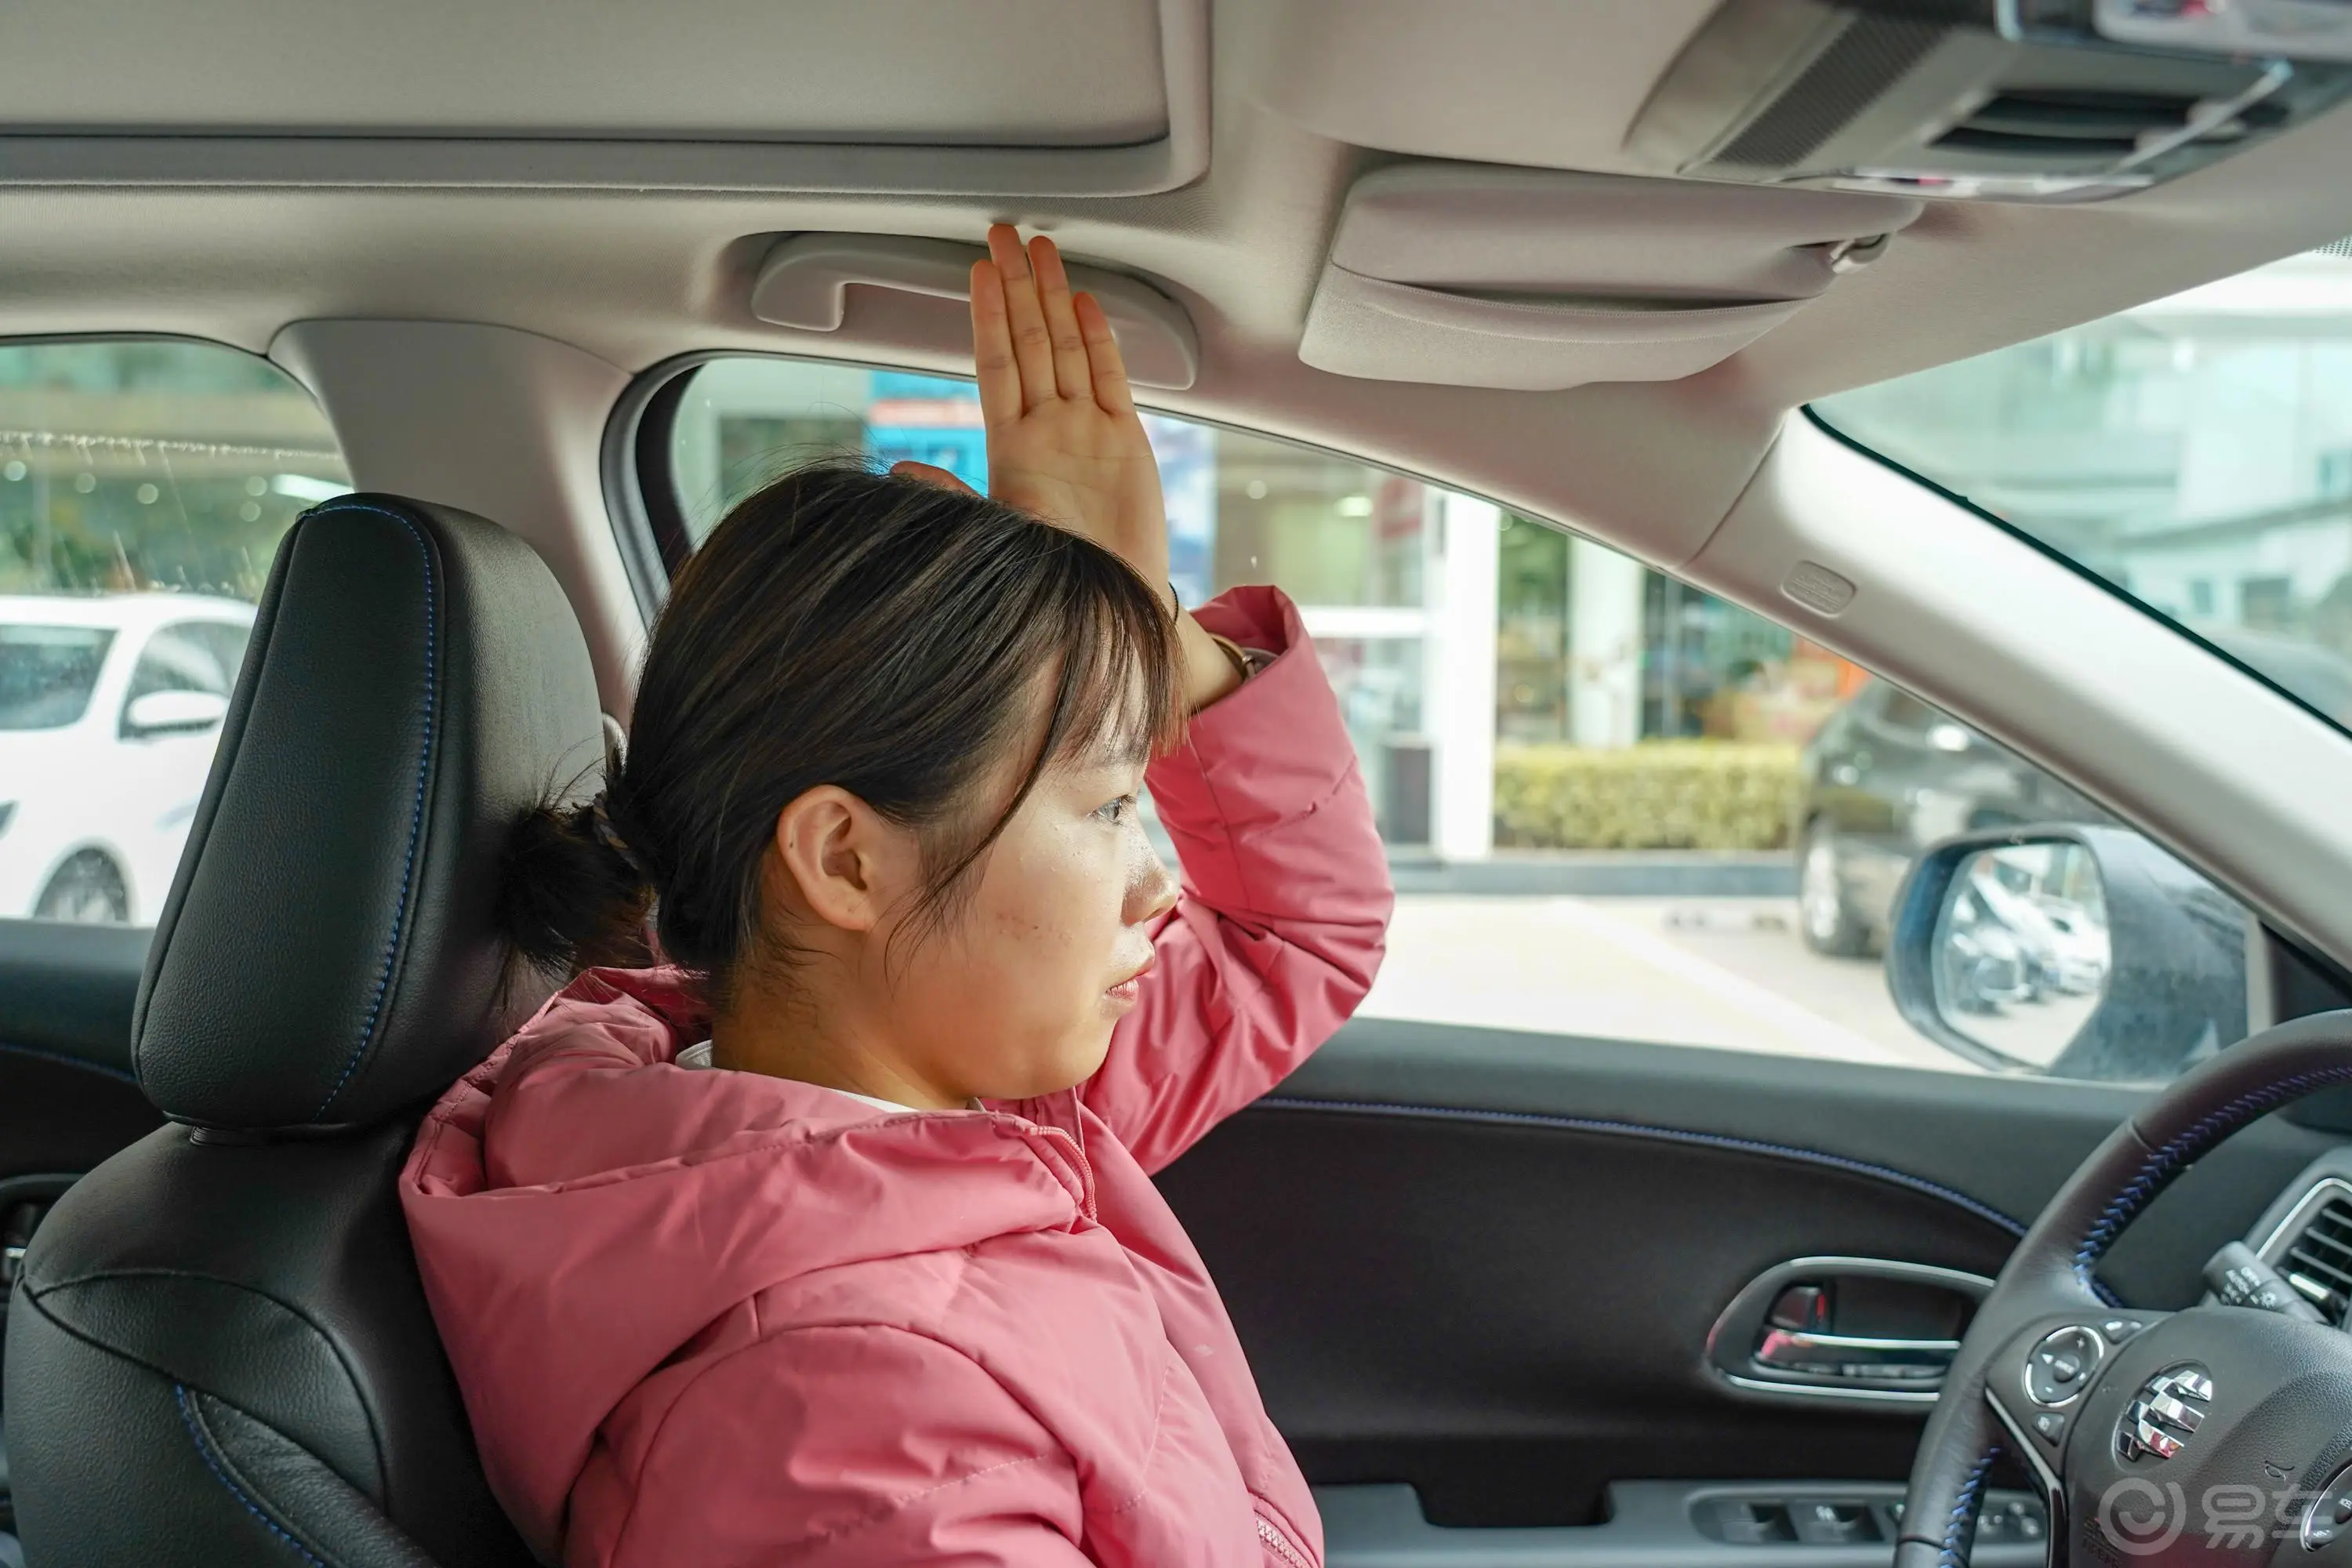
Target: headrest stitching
{"points": [[416, 813]]}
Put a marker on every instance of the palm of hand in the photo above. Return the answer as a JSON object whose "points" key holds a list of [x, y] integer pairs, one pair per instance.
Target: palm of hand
{"points": [[1064, 441], [1090, 472]]}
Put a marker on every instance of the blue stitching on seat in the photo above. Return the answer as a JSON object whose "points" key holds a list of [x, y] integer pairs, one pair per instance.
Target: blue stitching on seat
{"points": [[416, 813], [1964, 1512], [2157, 1170], [205, 1452], [1671, 1134]]}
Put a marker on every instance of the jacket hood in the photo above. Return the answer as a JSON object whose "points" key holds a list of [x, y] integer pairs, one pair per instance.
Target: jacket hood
{"points": [[585, 1207]]}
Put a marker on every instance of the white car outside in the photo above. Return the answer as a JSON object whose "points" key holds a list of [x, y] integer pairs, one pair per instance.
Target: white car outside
{"points": [[109, 708]]}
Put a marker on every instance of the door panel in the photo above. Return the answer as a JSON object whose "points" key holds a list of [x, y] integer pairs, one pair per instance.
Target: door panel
{"points": [[67, 1097], [1486, 1263]]}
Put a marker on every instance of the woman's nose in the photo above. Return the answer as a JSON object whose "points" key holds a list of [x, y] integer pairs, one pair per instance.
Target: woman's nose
{"points": [[1153, 892]]}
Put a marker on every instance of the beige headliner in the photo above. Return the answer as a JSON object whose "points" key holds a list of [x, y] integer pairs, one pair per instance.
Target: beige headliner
{"points": [[636, 277]]}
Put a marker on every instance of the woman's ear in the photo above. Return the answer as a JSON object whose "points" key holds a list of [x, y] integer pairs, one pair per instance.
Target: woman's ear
{"points": [[847, 864]]}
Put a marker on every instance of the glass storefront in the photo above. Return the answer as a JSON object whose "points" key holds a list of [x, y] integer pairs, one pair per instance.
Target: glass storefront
{"points": [[1585, 646]]}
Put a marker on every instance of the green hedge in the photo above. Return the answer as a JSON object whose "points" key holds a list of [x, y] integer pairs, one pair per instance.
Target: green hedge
{"points": [[1660, 794]]}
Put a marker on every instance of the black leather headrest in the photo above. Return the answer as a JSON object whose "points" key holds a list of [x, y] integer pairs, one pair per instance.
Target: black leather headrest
{"points": [[415, 682]]}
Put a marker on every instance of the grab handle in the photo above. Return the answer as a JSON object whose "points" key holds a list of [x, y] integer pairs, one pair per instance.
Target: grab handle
{"points": [[804, 282]]}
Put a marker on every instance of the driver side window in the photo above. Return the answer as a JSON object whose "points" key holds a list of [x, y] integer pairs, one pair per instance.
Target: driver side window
{"points": [[1615, 807], [194, 656]]}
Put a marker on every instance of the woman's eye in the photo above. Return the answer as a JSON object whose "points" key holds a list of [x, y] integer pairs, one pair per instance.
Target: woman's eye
{"points": [[1115, 811]]}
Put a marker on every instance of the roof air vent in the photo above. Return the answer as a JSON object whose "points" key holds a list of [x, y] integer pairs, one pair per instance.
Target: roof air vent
{"points": [[2069, 121]]}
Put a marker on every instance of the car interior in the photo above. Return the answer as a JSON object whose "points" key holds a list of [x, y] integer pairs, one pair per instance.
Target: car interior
{"points": [[1525, 1293]]}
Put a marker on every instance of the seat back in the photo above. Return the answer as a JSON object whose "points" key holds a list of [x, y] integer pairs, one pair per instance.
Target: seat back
{"points": [[218, 1350]]}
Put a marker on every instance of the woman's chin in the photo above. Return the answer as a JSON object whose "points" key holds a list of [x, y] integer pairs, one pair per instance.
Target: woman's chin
{"points": [[1067, 1069]]}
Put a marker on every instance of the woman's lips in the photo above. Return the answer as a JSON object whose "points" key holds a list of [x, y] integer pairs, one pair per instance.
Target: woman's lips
{"points": [[1127, 990]]}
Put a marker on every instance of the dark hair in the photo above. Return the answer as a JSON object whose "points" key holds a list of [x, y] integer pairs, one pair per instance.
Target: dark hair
{"points": [[846, 627]]}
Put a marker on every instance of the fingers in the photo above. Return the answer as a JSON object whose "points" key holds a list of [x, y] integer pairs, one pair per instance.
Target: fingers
{"points": [[1107, 369], [992, 347], [1033, 344], [929, 474], [1072, 376]]}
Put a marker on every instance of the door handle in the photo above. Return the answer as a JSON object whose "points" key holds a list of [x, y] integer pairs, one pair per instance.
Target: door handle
{"points": [[1852, 1355], [1873, 1329]]}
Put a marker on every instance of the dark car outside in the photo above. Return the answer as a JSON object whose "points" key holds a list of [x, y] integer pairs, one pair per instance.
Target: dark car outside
{"points": [[1888, 775]]}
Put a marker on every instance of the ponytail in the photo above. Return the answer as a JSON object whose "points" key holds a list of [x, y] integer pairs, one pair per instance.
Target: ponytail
{"points": [[574, 895]]}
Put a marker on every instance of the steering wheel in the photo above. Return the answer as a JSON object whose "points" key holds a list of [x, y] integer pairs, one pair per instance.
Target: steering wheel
{"points": [[2220, 1434]]}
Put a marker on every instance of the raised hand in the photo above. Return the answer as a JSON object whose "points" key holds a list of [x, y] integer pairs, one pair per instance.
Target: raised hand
{"points": [[1065, 442]]}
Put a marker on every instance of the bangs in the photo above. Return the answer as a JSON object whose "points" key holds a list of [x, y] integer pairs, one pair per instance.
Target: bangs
{"points": [[1117, 692], [1112, 672]]}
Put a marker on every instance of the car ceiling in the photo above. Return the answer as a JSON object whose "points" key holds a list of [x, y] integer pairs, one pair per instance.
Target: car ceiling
{"points": [[225, 170]]}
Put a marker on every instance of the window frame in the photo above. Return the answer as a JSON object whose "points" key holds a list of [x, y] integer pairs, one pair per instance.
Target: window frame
{"points": [[649, 525]]}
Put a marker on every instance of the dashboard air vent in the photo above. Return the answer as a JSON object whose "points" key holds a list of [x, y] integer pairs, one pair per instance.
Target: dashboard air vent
{"points": [[2315, 1253]]}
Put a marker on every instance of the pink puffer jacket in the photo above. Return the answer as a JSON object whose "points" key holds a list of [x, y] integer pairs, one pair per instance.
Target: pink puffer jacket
{"points": [[712, 1317]]}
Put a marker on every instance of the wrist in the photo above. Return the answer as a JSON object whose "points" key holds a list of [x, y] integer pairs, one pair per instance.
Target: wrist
{"points": [[1213, 665]]}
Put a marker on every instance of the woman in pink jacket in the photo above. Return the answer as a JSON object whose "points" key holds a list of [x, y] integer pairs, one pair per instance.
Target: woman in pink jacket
{"points": [[834, 1241]]}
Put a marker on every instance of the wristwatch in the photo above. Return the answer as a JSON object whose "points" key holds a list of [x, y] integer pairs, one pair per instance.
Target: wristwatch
{"points": [[1247, 662]]}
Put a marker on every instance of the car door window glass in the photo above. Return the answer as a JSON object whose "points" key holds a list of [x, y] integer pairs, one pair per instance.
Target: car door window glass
{"points": [[48, 674], [179, 658], [143, 489], [2195, 453], [1615, 807]]}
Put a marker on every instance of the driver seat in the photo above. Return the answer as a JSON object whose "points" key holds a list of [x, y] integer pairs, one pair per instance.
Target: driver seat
{"points": [[218, 1349]]}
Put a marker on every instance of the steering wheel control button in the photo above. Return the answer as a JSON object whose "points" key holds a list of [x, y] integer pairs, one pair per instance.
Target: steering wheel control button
{"points": [[2050, 1426], [2012, 1519], [2330, 1512], [2062, 1363], [2165, 1413], [2118, 1329]]}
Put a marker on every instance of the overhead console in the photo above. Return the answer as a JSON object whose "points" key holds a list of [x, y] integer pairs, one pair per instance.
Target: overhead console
{"points": [[1996, 100], [1536, 279], [2029, 100]]}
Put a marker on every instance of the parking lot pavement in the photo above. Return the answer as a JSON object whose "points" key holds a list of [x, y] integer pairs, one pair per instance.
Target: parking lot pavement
{"points": [[1720, 971]]}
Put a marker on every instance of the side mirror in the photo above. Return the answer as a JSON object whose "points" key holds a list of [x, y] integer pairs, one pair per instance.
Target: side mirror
{"points": [[173, 714], [2074, 952]]}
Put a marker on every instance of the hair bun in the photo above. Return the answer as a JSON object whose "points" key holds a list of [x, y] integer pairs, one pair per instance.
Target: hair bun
{"points": [[575, 894]]}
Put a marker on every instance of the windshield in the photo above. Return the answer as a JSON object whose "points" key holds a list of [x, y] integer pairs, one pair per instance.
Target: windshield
{"points": [[2195, 453], [47, 674]]}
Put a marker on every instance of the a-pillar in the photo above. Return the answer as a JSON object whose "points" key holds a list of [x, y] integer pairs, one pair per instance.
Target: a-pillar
{"points": [[1605, 646], [1461, 717]]}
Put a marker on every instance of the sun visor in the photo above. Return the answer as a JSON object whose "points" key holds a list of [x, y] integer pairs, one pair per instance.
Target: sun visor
{"points": [[1534, 280], [981, 97]]}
